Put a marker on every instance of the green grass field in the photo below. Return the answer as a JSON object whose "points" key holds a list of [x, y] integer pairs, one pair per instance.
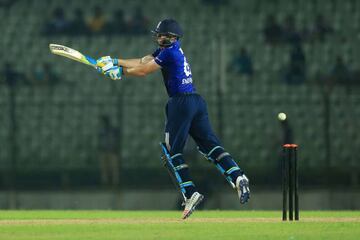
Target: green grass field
{"points": [[102, 225]]}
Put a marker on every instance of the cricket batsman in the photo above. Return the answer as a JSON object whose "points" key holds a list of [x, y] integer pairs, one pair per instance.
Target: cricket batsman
{"points": [[186, 113]]}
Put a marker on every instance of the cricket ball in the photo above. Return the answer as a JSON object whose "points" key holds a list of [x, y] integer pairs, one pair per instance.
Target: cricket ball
{"points": [[282, 116]]}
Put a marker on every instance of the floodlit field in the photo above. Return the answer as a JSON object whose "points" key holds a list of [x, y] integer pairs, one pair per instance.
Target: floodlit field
{"points": [[168, 225]]}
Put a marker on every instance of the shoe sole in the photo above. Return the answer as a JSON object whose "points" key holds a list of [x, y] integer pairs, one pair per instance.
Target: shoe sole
{"points": [[246, 195], [193, 208]]}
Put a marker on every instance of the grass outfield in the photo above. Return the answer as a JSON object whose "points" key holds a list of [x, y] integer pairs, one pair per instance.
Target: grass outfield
{"points": [[168, 225]]}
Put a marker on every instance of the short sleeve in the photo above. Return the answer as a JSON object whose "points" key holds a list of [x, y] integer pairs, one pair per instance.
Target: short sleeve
{"points": [[157, 51], [163, 58]]}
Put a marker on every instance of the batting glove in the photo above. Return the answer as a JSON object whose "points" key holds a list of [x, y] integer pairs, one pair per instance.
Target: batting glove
{"points": [[103, 64], [114, 73]]}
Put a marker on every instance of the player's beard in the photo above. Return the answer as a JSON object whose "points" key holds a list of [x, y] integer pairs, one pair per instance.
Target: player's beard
{"points": [[164, 42]]}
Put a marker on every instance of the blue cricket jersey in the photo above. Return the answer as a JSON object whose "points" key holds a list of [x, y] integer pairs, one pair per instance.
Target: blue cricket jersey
{"points": [[175, 69]]}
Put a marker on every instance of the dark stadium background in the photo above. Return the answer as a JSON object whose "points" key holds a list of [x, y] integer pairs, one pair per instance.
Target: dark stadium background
{"points": [[305, 64]]}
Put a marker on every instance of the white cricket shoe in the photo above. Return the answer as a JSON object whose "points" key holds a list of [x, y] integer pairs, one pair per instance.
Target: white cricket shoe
{"points": [[242, 187], [191, 203]]}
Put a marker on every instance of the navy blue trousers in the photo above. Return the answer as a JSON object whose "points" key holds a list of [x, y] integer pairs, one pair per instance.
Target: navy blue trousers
{"points": [[187, 114]]}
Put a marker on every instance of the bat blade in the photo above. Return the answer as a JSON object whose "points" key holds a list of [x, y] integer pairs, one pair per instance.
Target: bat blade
{"points": [[71, 54]]}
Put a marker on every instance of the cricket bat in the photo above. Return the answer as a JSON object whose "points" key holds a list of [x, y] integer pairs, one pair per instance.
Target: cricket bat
{"points": [[72, 54]]}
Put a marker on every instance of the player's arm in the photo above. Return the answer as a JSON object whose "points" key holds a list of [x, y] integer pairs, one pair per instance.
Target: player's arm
{"points": [[131, 63], [114, 68], [142, 69]]}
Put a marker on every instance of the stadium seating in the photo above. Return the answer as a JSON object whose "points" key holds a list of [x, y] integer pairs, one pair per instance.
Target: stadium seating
{"points": [[58, 128]]}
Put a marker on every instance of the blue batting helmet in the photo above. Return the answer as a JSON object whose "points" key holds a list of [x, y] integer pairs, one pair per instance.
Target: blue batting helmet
{"points": [[168, 27]]}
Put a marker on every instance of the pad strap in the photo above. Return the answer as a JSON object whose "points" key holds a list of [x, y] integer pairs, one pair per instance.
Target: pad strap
{"points": [[174, 170], [217, 160]]}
